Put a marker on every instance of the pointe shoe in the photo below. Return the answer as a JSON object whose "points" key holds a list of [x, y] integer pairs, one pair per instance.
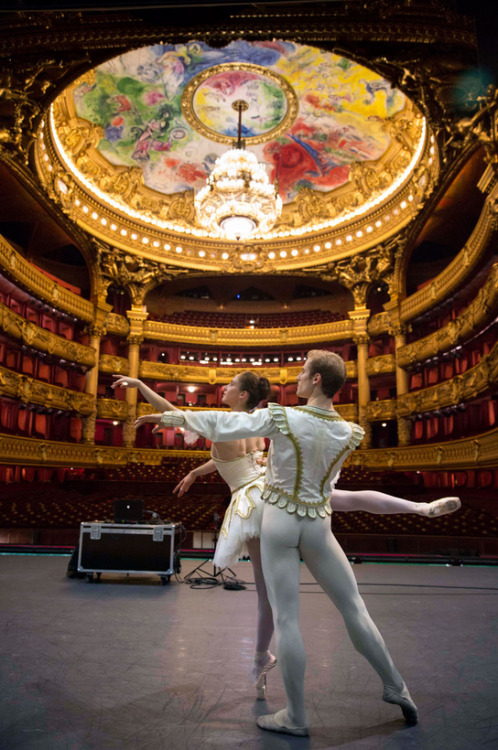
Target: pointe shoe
{"points": [[272, 723], [403, 700], [261, 679], [441, 507]]}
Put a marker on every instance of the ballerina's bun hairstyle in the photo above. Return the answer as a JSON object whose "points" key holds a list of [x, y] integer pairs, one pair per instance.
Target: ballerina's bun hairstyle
{"points": [[331, 367], [258, 389]]}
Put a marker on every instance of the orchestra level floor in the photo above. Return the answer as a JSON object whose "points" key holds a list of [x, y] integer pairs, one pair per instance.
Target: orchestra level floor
{"points": [[130, 664]]}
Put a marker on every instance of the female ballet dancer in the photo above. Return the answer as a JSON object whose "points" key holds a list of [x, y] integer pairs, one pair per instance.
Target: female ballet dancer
{"points": [[239, 464]]}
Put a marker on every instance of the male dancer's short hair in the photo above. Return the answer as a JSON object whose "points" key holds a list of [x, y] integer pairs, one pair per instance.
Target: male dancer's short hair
{"points": [[331, 367]]}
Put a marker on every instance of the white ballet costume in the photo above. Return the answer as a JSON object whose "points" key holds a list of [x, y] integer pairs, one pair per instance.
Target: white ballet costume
{"points": [[243, 517]]}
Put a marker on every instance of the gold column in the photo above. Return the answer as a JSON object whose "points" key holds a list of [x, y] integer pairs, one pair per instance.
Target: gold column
{"points": [[96, 330], [137, 317], [360, 318], [398, 331]]}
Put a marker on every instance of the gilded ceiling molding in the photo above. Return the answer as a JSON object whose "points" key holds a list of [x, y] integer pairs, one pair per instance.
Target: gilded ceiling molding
{"points": [[134, 274], [81, 196], [248, 337], [38, 338], [457, 331], [359, 273], [29, 390], [480, 451], [470, 385], [460, 268]]}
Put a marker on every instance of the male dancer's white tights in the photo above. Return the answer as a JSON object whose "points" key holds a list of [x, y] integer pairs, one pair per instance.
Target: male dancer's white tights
{"points": [[342, 500], [284, 538]]}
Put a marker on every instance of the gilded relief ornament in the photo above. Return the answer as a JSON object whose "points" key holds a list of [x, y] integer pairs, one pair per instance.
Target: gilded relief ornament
{"points": [[311, 206], [182, 207], [122, 183]]}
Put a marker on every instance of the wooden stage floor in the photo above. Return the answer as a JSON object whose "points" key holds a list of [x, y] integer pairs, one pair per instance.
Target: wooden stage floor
{"points": [[129, 664]]}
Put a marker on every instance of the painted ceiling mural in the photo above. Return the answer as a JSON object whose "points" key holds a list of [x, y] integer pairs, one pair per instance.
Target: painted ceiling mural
{"points": [[167, 110]]}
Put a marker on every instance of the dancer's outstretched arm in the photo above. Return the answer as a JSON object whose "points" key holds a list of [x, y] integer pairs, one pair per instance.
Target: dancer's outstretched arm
{"points": [[372, 501], [184, 484], [158, 402], [216, 425]]}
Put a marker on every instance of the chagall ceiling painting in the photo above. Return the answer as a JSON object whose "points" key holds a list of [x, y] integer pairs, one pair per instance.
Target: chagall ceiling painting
{"points": [[167, 110]]}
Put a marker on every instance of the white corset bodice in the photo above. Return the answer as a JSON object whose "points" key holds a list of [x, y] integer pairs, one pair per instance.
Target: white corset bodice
{"points": [[238, 472]]}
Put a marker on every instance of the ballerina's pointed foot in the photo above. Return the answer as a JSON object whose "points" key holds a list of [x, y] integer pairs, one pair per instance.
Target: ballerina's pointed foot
{"points": [[403, 699], [442, 507], [279, 722], [259, 672]]}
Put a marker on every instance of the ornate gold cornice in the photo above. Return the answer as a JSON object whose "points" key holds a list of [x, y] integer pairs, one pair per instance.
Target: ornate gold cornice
{"points": [[110, 408], [33, 391], [247, 337], [479, 451], [34, 336], [479, 311], [465, 387]]}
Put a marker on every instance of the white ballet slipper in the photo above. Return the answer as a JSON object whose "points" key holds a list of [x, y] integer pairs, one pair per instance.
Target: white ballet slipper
{"points": [[402, 699], [440, 507], [273, 723]]}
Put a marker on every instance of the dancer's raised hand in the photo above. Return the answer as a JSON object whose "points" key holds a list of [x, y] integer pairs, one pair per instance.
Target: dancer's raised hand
{"points": [[123, 381]]}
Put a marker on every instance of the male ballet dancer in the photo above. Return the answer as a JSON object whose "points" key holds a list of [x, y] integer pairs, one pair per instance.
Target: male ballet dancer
{"points": [[309, 445]]}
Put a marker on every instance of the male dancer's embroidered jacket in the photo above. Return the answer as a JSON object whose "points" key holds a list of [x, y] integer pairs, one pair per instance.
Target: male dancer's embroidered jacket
{"points": [[308, 448]]}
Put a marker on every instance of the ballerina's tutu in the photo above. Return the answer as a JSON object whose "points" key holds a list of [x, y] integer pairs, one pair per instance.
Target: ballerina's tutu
{"points": [[243, 517]]}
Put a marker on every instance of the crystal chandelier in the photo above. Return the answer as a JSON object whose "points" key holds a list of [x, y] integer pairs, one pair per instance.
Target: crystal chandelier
{"points": [[238, 199]]}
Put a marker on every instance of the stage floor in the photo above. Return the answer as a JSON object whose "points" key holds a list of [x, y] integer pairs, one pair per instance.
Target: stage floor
{"points": [[129, 664]]}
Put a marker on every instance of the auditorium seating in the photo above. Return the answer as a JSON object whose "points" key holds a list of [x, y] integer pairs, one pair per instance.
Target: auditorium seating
{"points": [[239, 320], [39, 506]]}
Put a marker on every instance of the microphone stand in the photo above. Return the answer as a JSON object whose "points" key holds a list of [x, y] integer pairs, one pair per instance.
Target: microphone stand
{"points": [[206, 579]]}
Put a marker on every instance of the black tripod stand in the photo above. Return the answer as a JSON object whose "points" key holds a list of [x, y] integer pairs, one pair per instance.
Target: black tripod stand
{"points": [[204, 579]]}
